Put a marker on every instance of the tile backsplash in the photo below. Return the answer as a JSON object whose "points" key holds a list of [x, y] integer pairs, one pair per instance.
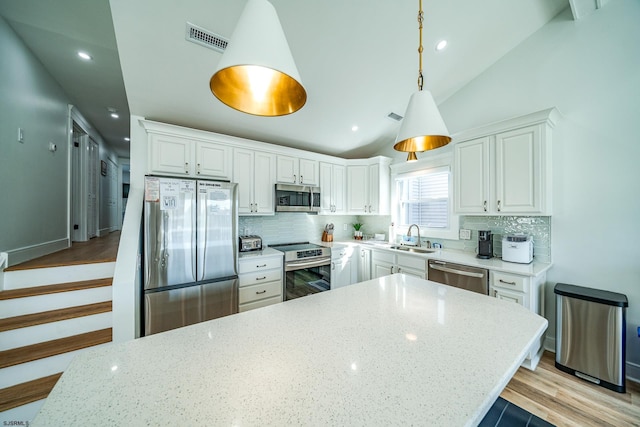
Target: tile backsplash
{"points": [[299, 227]]}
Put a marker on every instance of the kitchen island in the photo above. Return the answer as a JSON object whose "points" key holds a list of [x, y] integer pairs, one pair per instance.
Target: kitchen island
{"points": [[396, 350]]}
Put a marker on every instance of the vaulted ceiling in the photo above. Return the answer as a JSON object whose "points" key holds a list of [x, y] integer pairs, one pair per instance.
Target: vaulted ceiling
{"points": [[357, 59]]}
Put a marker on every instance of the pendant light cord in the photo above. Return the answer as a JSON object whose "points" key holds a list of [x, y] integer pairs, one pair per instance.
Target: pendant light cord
{"points": [[420, 49]]}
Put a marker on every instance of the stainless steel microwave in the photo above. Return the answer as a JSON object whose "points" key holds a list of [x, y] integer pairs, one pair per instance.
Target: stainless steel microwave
{"points": [[297, 198]]}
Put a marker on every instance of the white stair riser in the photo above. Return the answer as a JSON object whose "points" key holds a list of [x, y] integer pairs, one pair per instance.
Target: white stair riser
{"points": [[51, 276], [25, 413], [30, 371], [52, 331], [40, 303]]}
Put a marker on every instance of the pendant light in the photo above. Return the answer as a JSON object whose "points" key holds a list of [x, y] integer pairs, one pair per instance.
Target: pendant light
{"points": [[256, 73], [422, 128]]}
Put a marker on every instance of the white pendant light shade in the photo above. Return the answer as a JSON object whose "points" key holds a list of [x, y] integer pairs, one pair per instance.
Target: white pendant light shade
{"points": [[422, 128], [256, 73]]}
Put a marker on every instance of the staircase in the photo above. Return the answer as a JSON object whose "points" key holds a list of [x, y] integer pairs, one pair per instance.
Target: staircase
{"points": [[47, 316]]}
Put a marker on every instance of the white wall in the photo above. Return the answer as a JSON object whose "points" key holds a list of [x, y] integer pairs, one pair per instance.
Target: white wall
{"points": [[590, 71], [33, 180]]}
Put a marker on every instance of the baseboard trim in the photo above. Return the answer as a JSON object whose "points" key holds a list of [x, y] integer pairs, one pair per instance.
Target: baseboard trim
{"points": [[20, 255]]}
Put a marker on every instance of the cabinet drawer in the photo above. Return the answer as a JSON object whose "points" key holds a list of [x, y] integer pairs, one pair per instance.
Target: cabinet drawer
{"points": [[260, 264], [384, 256], [258, 277], [258, 304], [414, 262], [261, 291], [510, 281], [507, 295]]}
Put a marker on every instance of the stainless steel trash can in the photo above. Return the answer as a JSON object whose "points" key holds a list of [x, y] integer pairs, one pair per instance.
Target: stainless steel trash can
{"points": [[590, 334]]}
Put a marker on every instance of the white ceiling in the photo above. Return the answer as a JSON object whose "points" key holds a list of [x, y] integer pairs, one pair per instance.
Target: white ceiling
{"points": [[358, 61]]}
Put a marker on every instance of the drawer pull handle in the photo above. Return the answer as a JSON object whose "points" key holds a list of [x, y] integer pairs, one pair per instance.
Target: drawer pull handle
{"points": [[261, 292], [261, 266], [261, 278], [508, 283]]}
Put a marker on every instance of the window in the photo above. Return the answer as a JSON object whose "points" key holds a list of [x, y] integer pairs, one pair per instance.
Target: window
{"points": [[423, 199], [423, 195]]}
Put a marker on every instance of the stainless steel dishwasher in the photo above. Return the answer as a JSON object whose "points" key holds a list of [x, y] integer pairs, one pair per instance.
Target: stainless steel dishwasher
{"points": [[461, 276]]}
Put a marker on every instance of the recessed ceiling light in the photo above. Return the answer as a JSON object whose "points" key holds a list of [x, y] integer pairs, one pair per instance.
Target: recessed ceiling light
{"points": [[126, 138], [115, 115], [441, 45], [85, 56], [355, 128]]}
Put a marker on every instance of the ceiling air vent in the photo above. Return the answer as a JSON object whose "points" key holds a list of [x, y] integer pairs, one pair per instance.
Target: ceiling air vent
{"points": [[394, 116], [206, 38]]}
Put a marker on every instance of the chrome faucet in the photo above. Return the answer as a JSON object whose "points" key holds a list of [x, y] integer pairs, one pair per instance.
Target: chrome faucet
{"points": [[409, 232]]}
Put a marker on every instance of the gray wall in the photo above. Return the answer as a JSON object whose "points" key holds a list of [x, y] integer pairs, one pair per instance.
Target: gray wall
{"points": [[590, 71], [33, 181]]}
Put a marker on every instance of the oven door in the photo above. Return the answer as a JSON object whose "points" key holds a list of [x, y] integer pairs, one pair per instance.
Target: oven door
{"points": [[306, 277]]}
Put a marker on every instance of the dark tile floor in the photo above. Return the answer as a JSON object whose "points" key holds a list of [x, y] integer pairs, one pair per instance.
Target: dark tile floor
{"points": [[506, 414]]}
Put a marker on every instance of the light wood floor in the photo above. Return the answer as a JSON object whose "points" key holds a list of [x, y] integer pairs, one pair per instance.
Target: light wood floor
{"points": [[98, 249], [565, 400]]}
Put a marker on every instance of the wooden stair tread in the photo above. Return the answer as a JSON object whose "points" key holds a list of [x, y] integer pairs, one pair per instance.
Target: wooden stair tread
{"points": [[27, 320], [52, 289], [29, 353], [31, 391]]}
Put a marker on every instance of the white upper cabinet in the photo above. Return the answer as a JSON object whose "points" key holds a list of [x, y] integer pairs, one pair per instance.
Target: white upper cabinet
{"points": [[368, 187], [507, 170], [174, 155], [254, 172], [332, 188], [292, 170]]}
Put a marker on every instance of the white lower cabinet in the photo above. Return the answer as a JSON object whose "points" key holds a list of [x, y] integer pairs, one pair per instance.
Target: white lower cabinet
{"points": [[384, 263], [344, 270], [260, 281], [364, 264]]}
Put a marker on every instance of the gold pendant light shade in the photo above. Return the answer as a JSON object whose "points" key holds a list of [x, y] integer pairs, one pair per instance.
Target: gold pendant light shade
{"points": [[422, 128], [257, 74]]}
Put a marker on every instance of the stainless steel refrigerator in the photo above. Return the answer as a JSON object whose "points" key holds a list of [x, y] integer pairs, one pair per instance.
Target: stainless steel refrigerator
{"points": [[190, 252]]}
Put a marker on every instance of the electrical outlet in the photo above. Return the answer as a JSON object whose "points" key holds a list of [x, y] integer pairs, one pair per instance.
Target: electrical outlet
{"points": [[344, 227], [465, 234]]}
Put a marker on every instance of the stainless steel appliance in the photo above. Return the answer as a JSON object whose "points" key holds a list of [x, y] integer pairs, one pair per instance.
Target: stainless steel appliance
{"points": [[307, 269], [190, 252], [517, 248], [297, 198], [461, 276], [250, 243], [591, 334], [485, 244]]}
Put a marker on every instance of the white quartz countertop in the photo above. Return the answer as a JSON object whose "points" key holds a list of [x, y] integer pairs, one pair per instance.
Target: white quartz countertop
{"points": [[397, 350], [455, 256], [264, 252]]}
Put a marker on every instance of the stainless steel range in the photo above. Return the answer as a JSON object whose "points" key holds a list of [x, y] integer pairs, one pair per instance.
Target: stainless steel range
{"points": [[307, 269]]}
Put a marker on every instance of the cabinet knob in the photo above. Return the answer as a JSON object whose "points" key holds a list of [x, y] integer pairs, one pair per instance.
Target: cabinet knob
{"points": [[495, 293]]}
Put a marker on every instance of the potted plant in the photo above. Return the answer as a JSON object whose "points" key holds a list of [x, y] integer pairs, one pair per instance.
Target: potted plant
{"points": [[357, 234]]}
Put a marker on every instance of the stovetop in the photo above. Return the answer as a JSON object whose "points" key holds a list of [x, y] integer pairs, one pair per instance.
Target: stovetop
{"points": [[302, 250]]}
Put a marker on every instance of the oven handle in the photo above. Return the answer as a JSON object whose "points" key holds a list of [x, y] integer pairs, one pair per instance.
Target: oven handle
{"points": [[454, 271], [291, 266]]}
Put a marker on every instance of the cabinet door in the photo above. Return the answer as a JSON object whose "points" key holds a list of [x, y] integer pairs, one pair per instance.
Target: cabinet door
{"points": [[213, 160], [357, 189], [472, 176], [326, 188], [518, 171], [170, 155], [308, 172], [364, 272], [411, 272], [374, 189], [340, 274], [287, 170], [243, 171], [264, 182], [517, 297], [338, 188]]}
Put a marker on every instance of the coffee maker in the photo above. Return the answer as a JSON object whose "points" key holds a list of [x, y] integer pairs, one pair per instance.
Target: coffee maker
{"points": [[485, 245]]}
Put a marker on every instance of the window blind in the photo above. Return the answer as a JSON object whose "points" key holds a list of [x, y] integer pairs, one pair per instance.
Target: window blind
{"points": [[424, 199]]}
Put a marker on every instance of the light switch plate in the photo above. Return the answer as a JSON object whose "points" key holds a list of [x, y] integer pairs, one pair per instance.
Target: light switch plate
{"points": [[465, 234]]}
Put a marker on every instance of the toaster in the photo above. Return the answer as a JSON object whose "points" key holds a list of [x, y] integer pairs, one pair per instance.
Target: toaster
{"points": [[517, 248], [250, 243]]}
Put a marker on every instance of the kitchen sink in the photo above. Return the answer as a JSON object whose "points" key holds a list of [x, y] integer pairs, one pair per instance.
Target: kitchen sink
{"points": [[413, 249]]}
